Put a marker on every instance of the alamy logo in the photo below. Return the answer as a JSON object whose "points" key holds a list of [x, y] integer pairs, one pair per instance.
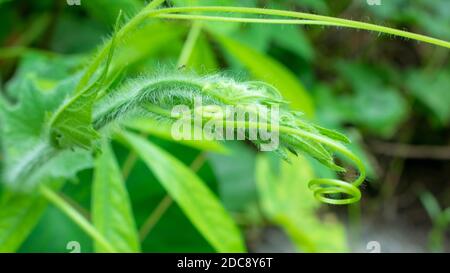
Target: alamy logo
{"points": [[74, 247], [374, 2], [214, 122], [73, 2], [374, 247]]}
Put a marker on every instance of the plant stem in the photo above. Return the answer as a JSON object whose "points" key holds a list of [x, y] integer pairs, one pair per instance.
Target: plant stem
{"points": [[151, 11], [82, 211], [75, 216], [433, 152], [128, 165], [155, 216], [302, 15], [189, 45], [185, 54], [245, 20]]}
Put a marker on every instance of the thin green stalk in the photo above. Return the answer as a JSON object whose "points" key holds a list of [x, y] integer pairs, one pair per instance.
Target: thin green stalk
{"points": [[167, 201], [151, 11], [302, 15], [75, 216], [128, 165], [245, 20], [155, 216], [101, 55], [12, 52], [189, 45]]}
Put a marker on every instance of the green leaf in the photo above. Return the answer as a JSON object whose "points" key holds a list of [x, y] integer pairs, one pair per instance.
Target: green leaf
{"points": [[195, 199], [256, 36], [19, 213], [28, 158], [111, 209], [147, 193], [271, 71], [379, 109], [39, 88], [431, 205], [287, 201], [46, 71], [333, 134]]}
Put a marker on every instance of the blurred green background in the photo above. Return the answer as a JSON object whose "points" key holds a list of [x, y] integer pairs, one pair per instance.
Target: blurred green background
{"points": [[389, 95]]}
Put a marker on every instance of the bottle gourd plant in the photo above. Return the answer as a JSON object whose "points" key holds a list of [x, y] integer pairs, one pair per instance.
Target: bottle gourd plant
{"points": [[47, 137]]}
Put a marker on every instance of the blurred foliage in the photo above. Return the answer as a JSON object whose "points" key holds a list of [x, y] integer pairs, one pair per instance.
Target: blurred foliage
{"points": [[285, 196], [440, 221]]}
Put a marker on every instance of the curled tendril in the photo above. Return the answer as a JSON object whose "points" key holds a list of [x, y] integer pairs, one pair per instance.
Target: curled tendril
{"points": [[327, 190], [324, 187], [331, 190]]}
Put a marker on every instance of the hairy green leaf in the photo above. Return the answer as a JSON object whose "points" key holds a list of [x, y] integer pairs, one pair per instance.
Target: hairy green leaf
{"points": [[25, 122]]}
